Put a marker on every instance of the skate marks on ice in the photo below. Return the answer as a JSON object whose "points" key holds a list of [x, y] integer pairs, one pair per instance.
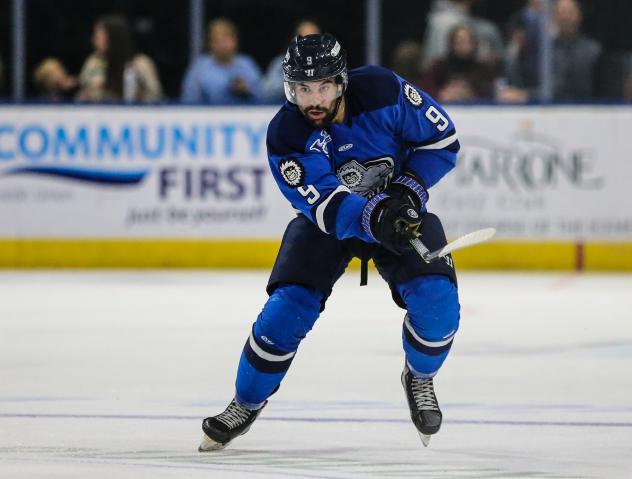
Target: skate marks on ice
{"points": [[320, 463], [283, 446]]}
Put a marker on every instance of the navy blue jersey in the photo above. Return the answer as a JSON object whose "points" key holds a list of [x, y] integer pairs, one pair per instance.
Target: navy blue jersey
{"points": [[389, 127]]}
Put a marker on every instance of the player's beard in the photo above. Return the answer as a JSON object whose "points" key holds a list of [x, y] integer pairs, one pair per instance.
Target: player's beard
{"points": [[326, 115]]}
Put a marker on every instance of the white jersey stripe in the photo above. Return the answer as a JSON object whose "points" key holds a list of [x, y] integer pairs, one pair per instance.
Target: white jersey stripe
{"points": [[320, 210], [265, 355], [440, 144]]}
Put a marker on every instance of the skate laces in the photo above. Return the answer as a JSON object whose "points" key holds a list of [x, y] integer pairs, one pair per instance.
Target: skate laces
{"points": [[234, 415], [423, 393]]}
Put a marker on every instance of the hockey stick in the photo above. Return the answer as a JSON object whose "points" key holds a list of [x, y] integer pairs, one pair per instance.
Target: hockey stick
{"points": [[469, 239]]}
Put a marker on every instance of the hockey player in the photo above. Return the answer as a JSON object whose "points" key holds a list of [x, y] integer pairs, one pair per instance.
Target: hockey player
{"points": [[355, 153]]}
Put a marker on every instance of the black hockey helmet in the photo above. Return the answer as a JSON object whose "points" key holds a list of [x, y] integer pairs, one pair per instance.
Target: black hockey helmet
{"points": [[313, 58]]}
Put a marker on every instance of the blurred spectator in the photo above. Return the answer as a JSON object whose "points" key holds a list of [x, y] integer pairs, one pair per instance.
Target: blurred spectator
{"points": [[575, 59], [612, 74], [223, 76], [1, 77], [406, 61], [460, 76], [575, 55], [53, 82], [522, 55], [444, 16], [627, 92], [272, 83], [627, 77], [115, 71]]}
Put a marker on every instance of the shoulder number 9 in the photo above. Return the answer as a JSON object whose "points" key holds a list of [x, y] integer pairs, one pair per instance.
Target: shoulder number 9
{"points": [[310, 193], [437, 118]]}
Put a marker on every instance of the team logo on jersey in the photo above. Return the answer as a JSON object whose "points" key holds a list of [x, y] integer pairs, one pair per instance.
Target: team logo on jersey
{"points": [[351, 174], [292, 172], [366, 178], [320, 144], [412, 95]]}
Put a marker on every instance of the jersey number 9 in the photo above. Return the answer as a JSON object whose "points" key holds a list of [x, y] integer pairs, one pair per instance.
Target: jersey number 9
{"points": [[437, 118], [310, 193]]}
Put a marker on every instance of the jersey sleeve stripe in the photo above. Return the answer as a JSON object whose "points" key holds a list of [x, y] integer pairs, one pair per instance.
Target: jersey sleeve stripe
{"points": [[433, 140], [439, 145], [331, 213], [322, 211]]}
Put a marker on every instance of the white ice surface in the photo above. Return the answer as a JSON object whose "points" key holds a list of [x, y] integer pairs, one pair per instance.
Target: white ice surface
{"points": [[107, 375]]}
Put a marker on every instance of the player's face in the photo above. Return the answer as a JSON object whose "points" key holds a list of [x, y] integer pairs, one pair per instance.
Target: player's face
{"points": [[317, 100]]}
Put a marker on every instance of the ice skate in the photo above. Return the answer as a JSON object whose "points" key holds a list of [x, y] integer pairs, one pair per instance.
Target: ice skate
{"points": [[424, 408], [220, 430]]}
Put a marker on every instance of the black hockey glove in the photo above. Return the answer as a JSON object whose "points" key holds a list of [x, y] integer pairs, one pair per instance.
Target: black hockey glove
{"points": [[391, 222], [409, 188]]}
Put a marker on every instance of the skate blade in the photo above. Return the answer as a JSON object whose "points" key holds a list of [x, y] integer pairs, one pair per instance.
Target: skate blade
{"points": [[425, 439], [208, 445]]}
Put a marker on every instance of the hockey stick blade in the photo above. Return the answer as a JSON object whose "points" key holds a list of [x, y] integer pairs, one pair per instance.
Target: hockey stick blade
{"points": [[475, 237]]}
